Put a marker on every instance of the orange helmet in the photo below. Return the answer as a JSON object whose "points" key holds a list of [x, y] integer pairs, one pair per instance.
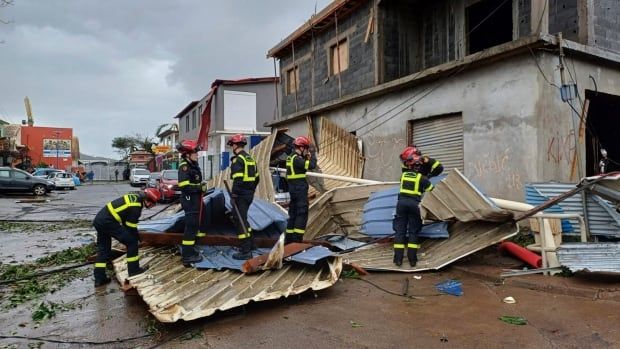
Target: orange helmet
{"points": [[153, 195], [301, 141], [188, 146], [237, 139]]}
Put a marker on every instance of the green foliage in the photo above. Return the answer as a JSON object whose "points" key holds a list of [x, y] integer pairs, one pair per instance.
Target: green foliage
{"points": [[513, 320], [350, 274], [47, 310], [12, 272], [70, 255]]}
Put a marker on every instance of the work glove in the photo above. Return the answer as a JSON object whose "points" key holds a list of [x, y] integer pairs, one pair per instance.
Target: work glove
{"points": [[204, 186]]}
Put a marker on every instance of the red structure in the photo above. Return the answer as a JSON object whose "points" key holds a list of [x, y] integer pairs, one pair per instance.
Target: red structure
{"points": [[49, 145]]}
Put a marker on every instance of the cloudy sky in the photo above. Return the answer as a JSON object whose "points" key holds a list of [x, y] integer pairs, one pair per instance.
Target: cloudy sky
{"points": [[117, 67]]}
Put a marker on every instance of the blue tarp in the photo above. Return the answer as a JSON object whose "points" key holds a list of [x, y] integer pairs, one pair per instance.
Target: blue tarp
{"points": [[265, 219], [379, 213], [535, 198], [220, 257], [311, 255]]}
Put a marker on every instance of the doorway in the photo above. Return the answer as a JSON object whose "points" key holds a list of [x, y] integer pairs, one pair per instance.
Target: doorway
{"points": [[602, 132]]}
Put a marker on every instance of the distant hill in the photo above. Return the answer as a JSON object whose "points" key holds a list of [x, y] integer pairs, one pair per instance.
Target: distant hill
{"points": [[90, 157]]}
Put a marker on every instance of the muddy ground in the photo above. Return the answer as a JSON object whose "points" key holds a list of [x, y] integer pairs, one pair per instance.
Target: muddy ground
{"points": [[352, 314]]}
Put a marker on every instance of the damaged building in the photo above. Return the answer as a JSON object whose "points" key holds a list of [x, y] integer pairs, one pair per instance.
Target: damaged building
{"points": [[507, 91]]}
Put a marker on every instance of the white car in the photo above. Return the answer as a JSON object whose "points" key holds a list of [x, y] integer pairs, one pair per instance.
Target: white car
{"points": [[62, 180], [138, 177]]}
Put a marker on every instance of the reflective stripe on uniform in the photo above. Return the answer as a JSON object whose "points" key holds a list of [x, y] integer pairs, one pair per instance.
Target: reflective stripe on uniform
{"points": [[100, 265], [132, 259], [406, 180], [187, 182], [290, 231], [247, 163], [435, 165], [243, 236], [399, 246], [130, 201], [429, 188], [299, 231], [200, 234], [290, 168], [131, 224], [188, 242], [410, 245]]}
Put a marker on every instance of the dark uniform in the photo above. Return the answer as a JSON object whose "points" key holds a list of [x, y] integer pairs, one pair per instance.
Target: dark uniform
{"points": [[119, 220], [296, 167], [190, 183], [429, 168], [244, 173], [407, 220]]}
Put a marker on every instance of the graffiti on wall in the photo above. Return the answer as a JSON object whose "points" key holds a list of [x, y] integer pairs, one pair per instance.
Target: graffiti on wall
{"points": [[498, 165], [382, 155], [561, 148]]}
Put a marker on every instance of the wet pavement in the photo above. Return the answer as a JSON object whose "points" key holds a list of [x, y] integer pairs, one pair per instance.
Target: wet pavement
{"points": [[352, 314]]}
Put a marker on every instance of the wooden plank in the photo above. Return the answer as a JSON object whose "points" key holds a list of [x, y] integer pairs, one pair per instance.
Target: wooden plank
{"points": [[254, 264]]}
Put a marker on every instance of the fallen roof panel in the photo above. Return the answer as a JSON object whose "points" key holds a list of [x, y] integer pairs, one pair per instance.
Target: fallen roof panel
{"points": [[456, 197], [174, 292], [465, 239], [594, 257]]}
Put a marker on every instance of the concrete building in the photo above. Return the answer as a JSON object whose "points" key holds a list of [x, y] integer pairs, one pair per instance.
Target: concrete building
{"points": [[474, 83], [230, 107], [49, 145]]}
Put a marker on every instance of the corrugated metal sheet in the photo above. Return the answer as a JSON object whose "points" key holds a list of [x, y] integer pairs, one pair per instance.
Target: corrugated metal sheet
{"points": [[340, 210], [535, 198], [602, 220], [441, 138], [339, 154], [456, 197], [174, 292], [262, 154], [595, 257], [465, 239]]}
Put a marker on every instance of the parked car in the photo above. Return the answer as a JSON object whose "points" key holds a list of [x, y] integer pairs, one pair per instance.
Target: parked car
{"points": [[44, 172], [153, 181], [62, 180], [138, 177], [14, 180], [169, 185]]}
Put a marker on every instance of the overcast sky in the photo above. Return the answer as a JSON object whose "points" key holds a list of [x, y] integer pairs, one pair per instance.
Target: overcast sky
{"points": [[117, 67]]}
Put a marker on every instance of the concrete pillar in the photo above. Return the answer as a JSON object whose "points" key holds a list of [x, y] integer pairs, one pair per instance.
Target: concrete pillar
{"points": [[540, 17]]}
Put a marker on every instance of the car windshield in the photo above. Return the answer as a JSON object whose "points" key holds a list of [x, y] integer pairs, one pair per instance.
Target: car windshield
{"points": [[174, 175], [141, 172], [155, 175]]}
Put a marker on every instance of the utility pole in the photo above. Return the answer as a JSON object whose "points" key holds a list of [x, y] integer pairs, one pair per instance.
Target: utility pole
{"points": [[57, 133]]}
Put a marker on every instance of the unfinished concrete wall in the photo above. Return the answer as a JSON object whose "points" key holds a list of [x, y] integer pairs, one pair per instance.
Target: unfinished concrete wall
{"points": [[312, 57], [557, 144], [524, 17], [563, 17], [498, 104], [606, 22]]}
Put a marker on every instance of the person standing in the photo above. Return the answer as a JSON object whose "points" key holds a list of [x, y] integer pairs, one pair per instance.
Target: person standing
{"points": [[119, 220], [297, 164], [91, 176], [407, 222], [190, 183], [116, 174], [244, 173]]}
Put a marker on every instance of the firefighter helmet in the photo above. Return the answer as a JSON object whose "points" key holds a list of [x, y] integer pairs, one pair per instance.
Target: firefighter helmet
{"points": [[301, 141], [416, 150], [237, 139], [188, 146], [153, 195], [408, 154]]}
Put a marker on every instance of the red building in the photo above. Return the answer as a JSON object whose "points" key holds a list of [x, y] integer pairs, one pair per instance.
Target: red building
{"points": [[49, 145]]}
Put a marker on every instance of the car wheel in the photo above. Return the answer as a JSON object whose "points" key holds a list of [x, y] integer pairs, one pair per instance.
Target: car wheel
{"points": [[38, 190]]}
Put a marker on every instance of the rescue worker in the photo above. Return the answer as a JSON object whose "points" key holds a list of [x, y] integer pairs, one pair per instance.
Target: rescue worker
{"points": [[119, 220], [192, 187], [244, 173], [430, 167], [300, 161], [407, 222]]}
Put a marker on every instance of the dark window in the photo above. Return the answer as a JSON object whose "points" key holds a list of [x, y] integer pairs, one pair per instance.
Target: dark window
{"points": [[187, 123], [193, 119], [19, 175], [5, 174], [292, 80], [489, 23]]}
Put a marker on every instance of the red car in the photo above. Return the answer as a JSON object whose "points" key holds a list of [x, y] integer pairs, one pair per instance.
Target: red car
{"points": [[169, 185]]}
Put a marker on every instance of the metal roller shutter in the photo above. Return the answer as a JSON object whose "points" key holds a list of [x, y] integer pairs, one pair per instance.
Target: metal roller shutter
{"points": [[441, 138]]}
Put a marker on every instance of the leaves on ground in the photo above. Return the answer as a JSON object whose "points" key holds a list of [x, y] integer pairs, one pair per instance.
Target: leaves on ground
{"points": [[355, 324], [513, 320], [47, 310]]}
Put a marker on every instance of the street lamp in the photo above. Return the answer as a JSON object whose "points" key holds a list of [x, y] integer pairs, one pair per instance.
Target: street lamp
{"points": [[57, 133]]}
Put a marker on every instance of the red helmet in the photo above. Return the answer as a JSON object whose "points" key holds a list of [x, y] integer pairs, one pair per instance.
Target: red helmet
{"points": [[416, 150], [301, 141], [153, 195], [237, 139], [408, 154], [188, 146], [414, 161]]}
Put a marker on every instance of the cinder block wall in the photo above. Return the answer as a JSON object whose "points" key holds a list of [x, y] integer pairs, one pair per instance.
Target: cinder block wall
{"points": [[606, 20], [563, 17]]}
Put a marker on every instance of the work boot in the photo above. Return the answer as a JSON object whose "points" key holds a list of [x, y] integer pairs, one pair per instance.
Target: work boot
{"points": [[245, 250], [192, 259], [398, 256], [412, 255], [102, 281], [138, 271]]}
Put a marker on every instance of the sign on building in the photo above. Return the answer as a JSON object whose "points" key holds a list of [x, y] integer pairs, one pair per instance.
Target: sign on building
{"points": [[56, 148]]}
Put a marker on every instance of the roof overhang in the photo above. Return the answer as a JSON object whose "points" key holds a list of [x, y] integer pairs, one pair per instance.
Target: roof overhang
{"points": [[316, 24], [186, 109], [482, 58]]}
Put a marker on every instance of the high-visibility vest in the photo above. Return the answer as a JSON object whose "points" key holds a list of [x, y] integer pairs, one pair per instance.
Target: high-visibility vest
{"points": [[250, 172], [290, 168], [131, 200], [410, 183]]}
